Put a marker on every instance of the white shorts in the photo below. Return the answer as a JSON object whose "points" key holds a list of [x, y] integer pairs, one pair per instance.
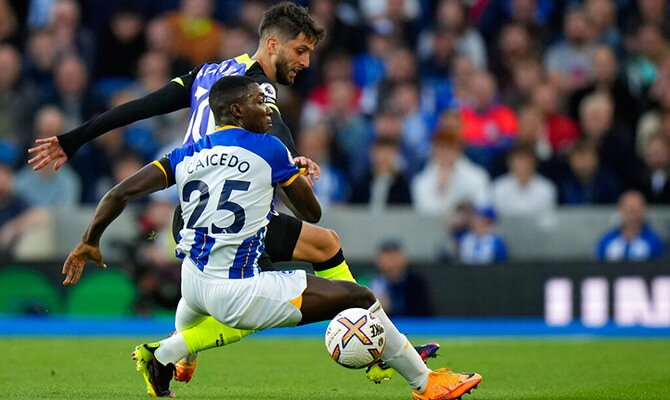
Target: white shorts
{"points": [[268, 300]]}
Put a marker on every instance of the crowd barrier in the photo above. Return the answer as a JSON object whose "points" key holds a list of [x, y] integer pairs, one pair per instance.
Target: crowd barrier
{"points": [[557, 295]]}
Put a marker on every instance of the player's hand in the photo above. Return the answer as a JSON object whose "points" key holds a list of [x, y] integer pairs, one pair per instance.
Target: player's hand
{"points": [[76, 260], [45, 152], [312, 169]]}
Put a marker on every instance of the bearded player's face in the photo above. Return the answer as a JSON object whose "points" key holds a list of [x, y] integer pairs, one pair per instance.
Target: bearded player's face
{"points": [[292, 57]]}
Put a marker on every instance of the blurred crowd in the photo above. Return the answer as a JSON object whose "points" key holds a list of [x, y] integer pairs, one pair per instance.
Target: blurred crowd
{"points": [[453, 107]]}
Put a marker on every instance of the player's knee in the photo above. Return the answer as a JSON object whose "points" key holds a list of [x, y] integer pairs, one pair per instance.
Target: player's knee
{"points": [[325, 244], [331, 243], [362, 296], [334, 238]]}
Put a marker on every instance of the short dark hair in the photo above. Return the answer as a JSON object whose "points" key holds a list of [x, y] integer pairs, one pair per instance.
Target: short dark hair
{"points": [[290, 20], [225, 91], [521, 149]]}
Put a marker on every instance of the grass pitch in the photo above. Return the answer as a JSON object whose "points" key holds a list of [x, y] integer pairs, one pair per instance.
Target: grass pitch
{"points": [[269, 368]]}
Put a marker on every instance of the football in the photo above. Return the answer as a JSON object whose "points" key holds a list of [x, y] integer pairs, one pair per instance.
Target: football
{"points": [[355, 338]]}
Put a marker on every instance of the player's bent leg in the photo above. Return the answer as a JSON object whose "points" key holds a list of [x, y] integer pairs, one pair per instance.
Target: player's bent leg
{"points": [[426, 384], [156, 375], [322, 248], [324, 298], [186, 318], [380, 371], [209, 333]]}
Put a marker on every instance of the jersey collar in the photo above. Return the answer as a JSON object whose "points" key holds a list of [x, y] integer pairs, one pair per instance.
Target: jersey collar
{"points": [[226, 127]]}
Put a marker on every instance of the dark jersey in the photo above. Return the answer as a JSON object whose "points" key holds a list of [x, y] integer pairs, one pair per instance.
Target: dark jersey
{"points": [[188, 91]]}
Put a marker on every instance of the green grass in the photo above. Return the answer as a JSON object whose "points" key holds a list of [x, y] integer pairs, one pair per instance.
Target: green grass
{"points": [[43, 368]]}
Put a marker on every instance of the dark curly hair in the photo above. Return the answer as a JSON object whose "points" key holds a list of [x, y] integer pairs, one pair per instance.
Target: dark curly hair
{"points": [[289, 20]]}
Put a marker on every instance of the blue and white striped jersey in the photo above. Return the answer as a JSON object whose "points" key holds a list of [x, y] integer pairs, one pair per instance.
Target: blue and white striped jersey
{"points": [[226, 183], [201, 122]]}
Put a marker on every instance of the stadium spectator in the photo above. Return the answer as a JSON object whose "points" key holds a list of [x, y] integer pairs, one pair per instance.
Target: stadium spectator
{"points": [[656, 119], [251, 13], [532, 133], [606, 79], [155, 266], [18, 98], [238, 40], [587, 181], [195, 34], [46, 188], [344, 32], [384, 184], [512, 47], [40, 58], [601, 16], [38, 13], [401, 15], [369, 64], [159, 38], [350, 129], [456, 225], [569, 61], [489, 128], [561, 131], [633, 239], [9, 25], [533, 15], [401, 66], [314, 142], [140, 136], [69, 36], [480, 244], [435, 65], [121, 44], [653, 12], [522, 191], [17, 217], [615, 147], [653, 46], [97, 161], [640, 72], [653, 180], [152, 73], [527, 74], [449, 178], [406, 102], [400, 290], [337, 86], [72, 92], [469, 41]]}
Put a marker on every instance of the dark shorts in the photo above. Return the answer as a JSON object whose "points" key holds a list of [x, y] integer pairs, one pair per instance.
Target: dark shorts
{"points": [[282, 237], [280, 240]]}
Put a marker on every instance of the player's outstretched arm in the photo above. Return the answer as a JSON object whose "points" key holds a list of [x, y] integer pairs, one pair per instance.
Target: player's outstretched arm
{"points": [[151, 178], [58, 149], [303, 199]]}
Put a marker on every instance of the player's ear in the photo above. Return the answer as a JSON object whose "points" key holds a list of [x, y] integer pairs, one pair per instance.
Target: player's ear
{"points": [[236, 110], [272, 45]]}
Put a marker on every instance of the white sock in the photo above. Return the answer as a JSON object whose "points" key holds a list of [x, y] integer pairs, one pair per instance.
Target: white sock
{"points": [[184, 319], [399, 353], [172, 349]]}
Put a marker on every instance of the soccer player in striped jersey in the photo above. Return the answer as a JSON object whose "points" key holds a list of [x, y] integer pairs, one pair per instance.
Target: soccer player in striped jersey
{"points": [[288, 35], [226, 181]]}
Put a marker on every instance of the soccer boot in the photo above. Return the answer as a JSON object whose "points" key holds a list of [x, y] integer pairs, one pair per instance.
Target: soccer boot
{"points": [[184, 370], [446, 385], [379, 371], [156, 375]]}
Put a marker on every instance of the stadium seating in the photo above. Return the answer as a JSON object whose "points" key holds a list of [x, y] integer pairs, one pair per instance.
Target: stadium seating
{"points": [[105, 293], [23, 291]]}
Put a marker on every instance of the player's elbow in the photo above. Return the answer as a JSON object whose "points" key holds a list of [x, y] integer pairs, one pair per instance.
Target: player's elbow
{"points": [[312, 214], [117, 194]]}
